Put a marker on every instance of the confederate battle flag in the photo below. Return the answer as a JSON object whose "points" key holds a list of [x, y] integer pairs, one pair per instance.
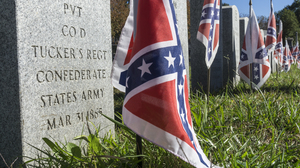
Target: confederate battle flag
{"points": [[271, 32], [156, 104], [254, 52], [287, 58], [208, 31], [278, 52]]}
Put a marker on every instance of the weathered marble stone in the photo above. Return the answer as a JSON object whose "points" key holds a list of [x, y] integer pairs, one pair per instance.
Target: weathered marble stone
{"points": [[272, 61], [243, 28], [181, 16], [55, 63], [263, 34], [231, 45], [198, 65], [290, 41]]}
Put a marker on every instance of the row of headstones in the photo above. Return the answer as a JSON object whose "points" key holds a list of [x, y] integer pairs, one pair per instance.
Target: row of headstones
{"points": [[224, 69], [55, 65]]}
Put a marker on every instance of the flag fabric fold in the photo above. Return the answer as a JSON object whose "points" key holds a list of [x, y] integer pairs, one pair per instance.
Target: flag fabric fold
{"points": [[295, 52], [287, 58], [271, 32], [297, 55], [254, 52], [123, 53], [209, 28], [298, 61], [156, 105], [278, 52]]}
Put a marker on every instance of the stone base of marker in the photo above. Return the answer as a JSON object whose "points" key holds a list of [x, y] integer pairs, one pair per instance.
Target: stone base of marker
{"points": [[231, 45], [243, 28], [55, 63], [272, 62], [197, 54], [181, 16], [197, 50]]}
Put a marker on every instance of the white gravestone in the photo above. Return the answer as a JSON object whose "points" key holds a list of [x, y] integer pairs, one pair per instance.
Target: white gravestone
{"points": [[231, 45], [55, 63]]}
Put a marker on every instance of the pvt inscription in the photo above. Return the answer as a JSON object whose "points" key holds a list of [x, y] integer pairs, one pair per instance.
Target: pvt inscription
{"points": [[64, 63]]}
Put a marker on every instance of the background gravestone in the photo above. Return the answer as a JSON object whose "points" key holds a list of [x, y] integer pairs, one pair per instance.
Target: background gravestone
{"points": [[264, 34], [290, 41], [243, 28], [231, 45], [272, 61], [197, 55], [55, 63], [181, 16]]}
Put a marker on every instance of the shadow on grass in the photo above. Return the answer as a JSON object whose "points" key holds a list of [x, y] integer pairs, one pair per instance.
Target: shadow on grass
{"points": [[243, 87], [118, 103]]}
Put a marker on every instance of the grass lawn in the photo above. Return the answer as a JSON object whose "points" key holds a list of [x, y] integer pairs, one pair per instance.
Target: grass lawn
{"points": [[236, 129]]}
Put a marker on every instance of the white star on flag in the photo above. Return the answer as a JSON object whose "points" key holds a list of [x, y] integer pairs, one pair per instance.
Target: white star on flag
{"points": [[145, 68], [180, 88], [182, 116], [255, 69], [203, 14], [127, 81], [212, 13], [181, 59], [170, 60], [256, 77]]}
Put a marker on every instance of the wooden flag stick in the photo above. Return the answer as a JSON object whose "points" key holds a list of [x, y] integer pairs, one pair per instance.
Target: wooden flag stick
{"points": [[250, 75], [208, 85], [138, 138], [277, 67], [139, 150]]}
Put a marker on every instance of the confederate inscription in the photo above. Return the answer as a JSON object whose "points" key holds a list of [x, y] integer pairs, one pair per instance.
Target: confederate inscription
{"points": [[63, 75], [65, 64], [55, 65]]}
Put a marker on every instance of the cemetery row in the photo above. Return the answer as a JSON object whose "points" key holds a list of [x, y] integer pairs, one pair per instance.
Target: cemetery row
{"points": [[56, 60], [224, 69]]}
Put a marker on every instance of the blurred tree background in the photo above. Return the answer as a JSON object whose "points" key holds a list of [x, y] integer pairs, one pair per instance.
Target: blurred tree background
{"points": [[290, 17], [119, 12]]}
